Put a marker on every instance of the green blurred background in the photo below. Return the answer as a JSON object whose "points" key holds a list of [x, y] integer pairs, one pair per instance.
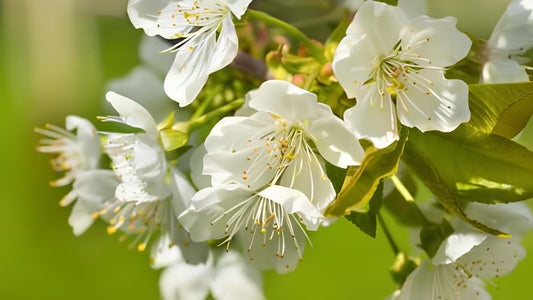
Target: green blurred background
{"points": [[55, 59]]}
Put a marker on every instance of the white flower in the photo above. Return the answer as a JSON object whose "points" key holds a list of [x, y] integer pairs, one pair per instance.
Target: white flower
{"points": [[461, 279], [268, 179], [269, 222], [227, 279], [467, 256], [279, 144], [138, 159], [202, 51], [79, 155], [151, 193], [395, 68], [76, 151], [510, 39]]}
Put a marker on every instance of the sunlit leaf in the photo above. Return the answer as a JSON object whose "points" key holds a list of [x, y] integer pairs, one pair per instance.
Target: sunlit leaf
{"points": [[361, 181], [469, 165], [502, 109]]}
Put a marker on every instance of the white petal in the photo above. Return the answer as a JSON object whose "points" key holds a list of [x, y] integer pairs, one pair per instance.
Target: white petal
{"points": [[164, 253], [503, 70], [514, 30], [197, 165], [245, 110], [184, 281], [284, 99], [336, 143], [145, 14], [190, 68], [476, 290], [94, 188], [514, 218], [418, 285], [236, 279], [191, 252], [151, 166], [352, 63], [380, 23], [493, 258], [134, 114], [226, 47], [87, 138], [266, 257], [308, 175], [182, 190], [238, 7], [143, 84], [435, 39], [443, 109], [456, 245], [294, 201], [236, 151], [207, 205], [373, 117]]}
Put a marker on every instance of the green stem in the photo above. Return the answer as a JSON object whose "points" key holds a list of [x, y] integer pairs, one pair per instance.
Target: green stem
{"points": [[392, 244], [205, 104], [316, 51], [402, 189], [200, 121]]}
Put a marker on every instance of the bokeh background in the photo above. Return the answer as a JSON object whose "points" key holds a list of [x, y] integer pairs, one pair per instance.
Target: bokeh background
{"points": [[55, 59]]}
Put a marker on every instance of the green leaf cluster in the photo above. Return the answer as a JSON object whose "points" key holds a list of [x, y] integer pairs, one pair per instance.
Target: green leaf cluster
{"points": [[477, 162]]}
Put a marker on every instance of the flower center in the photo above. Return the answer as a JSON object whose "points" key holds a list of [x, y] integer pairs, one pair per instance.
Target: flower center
{"points": [[396, 73], [121, 150], [70, 154], [206, 15], [265, 220], [139, 221]]}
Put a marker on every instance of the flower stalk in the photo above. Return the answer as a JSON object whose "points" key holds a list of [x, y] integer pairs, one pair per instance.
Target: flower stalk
{"points": [[316, 51]]}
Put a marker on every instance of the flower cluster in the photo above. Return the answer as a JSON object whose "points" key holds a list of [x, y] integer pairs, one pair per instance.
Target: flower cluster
{"points": [[251, 166]]}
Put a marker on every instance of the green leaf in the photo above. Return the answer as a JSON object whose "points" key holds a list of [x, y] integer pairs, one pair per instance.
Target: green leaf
{"points": [[432, 235], [173, 139], [336, 175], [502, 109], [367, 221], [469, 165], [361, 181]]}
